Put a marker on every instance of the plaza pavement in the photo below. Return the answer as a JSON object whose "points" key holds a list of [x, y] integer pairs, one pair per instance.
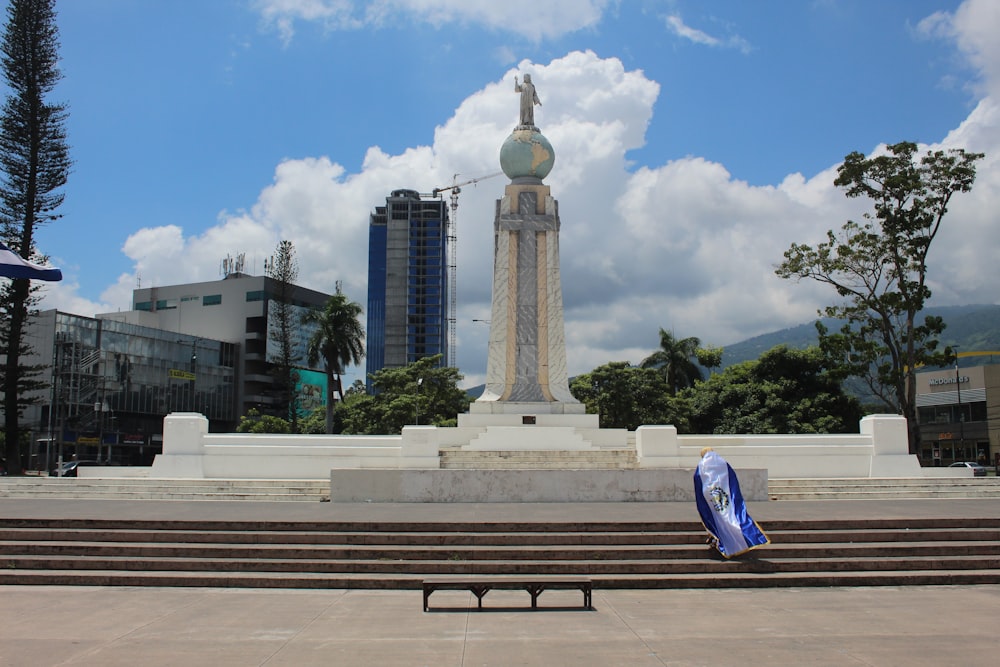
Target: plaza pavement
{"points": [[927, 625]]}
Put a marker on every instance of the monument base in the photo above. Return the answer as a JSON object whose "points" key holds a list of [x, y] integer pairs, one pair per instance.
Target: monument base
{"points": [[527, 486], [530, 426], [526, 408]]}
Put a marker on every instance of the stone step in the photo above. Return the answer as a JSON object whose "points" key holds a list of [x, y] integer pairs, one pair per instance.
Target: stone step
{"points": [[686, 535], [389, 556], [399, 554], [883, 488], [599, 459], [693, 565], [413, 581], [141, 488], [318, 490]]}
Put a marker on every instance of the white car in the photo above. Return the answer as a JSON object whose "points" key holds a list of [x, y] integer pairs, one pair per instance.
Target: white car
{"points": [[977, 470]]}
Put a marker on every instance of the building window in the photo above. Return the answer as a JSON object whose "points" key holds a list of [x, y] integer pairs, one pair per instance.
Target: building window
{"points": [[211, 300], [256, 295], [144, 305]]}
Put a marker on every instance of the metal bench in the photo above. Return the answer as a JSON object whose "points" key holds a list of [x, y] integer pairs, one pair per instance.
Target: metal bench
{"points": [[480, 586]]}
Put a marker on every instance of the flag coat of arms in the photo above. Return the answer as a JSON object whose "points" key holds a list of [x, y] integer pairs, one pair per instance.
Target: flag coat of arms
{"points": [[722, 508], [13, 265]]}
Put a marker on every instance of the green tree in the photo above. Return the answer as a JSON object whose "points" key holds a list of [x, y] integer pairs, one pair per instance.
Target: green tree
{"points": [[254, 422], [785, 391], [421, 392], [627, 396], [35, 163], [678, 360], [283, 269], [339, 340], [879, 268]]}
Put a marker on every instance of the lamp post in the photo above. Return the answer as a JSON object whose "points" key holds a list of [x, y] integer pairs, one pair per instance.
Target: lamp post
{"points": [[961, 415], [416, 407]]}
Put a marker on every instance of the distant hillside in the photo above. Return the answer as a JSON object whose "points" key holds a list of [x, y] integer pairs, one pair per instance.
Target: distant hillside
{"points": [[973, 328]]}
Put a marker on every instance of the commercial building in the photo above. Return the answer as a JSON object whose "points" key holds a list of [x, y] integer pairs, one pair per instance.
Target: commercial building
{"points": [[110, 383], [959, 415], [407, 281], [239, 309], [198, 347]]}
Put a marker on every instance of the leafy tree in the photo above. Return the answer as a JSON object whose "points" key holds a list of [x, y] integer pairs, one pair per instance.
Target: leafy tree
{"points": [[339, 340], [627, 396], [879, 268], [315, 422], [34, 161], [283, 269], [785, 391], [421, 392], [255, 422], [678, 360]]}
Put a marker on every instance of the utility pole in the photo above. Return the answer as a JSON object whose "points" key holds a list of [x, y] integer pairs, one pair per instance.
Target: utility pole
{"points": [[961, 415]]}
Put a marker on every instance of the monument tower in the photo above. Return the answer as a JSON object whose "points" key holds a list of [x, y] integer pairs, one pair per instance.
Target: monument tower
{"points": [[526, 368]]}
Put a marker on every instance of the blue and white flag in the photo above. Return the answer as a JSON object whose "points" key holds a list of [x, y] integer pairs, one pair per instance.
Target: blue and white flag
{"points": [[722, 509], [13, 265]]}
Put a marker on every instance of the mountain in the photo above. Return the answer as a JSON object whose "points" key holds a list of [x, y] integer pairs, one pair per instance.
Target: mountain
{"points": [[974, 328]]}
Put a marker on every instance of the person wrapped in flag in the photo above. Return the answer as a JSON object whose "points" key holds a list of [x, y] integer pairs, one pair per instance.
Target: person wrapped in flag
{"points": [[722, 509]]}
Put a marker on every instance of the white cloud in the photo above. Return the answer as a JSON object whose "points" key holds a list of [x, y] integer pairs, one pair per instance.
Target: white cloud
{"points": [[677, 26], [680, 245], [973, 28], [528, 18]]}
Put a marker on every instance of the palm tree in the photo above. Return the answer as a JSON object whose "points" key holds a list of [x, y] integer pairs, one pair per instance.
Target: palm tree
{"points": [[338, 341], [674, 358]]}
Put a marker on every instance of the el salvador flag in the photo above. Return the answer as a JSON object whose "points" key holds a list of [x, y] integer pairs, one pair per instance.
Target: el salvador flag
{"points": [[722, 509], [13, 265]]}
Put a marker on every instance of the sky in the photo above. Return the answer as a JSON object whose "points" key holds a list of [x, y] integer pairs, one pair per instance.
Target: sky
{"points": [[695, 142]]}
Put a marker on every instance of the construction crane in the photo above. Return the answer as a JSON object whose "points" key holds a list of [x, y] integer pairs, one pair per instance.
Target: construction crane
{"points": [[454, 189]]}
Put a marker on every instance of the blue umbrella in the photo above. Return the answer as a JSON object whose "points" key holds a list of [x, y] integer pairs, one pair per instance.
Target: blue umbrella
{"points": [[13, 265]]}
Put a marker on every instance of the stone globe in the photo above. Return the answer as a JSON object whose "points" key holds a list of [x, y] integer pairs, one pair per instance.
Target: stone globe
{"points": [[526, 153]]}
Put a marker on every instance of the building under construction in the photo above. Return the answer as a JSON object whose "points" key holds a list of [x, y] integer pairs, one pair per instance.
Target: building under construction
{"points": [[408, 281]]}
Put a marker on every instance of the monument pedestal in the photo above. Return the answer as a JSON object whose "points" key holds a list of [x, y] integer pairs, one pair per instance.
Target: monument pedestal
{"points": [[510, 426]]}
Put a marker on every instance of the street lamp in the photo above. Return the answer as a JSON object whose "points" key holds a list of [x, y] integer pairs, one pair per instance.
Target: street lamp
{"points": [[961, 415], [416, 407]]}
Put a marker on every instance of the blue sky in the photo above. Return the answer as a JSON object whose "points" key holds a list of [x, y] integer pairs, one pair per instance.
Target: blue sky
{"points": [[695, 142]]}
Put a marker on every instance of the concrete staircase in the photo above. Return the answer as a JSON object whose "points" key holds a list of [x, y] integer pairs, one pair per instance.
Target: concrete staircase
{"points": [[879, 489], [398, 555], [316, 490], [141, 488]]}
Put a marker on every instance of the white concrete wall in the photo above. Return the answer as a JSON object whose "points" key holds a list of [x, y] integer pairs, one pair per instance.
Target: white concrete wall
{"points": [[879, 450], [189, 451]]}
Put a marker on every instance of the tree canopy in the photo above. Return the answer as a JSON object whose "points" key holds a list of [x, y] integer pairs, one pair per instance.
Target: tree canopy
{"points": [[785, 391], [627, 396], [678, 359], [419, 393], [878, 267], [339, 340]]}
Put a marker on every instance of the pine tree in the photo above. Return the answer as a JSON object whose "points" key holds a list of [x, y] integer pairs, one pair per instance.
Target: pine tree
{"points": [[34, 165], [284, 271]]}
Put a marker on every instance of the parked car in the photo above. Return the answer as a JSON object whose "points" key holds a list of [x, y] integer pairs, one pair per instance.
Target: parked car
{"points": [[977, 470], [69, 468]]}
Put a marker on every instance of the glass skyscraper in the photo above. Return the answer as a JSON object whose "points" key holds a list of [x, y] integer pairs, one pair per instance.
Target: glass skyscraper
{"points": [[407, 281]]}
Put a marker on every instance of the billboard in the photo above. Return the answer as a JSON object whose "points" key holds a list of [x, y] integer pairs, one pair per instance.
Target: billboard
{"points": [[310, 390]]}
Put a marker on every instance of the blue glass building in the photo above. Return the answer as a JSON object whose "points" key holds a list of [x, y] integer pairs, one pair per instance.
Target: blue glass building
{"points": [[407, 281]]}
